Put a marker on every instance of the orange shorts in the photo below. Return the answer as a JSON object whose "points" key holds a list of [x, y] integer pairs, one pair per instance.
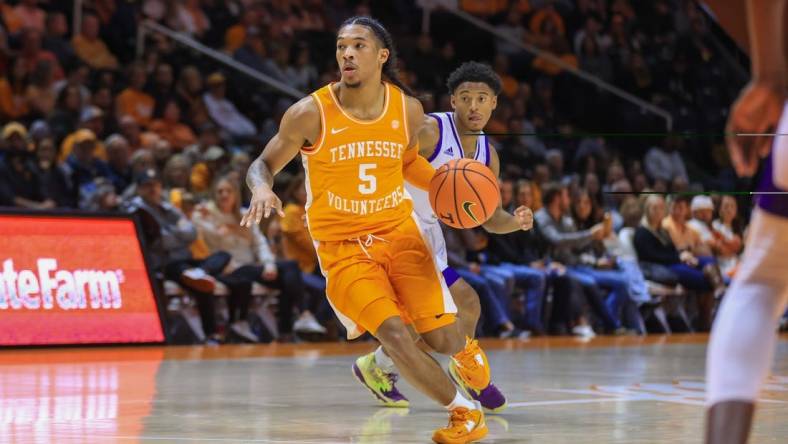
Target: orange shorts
{"points": [[375, 277]]}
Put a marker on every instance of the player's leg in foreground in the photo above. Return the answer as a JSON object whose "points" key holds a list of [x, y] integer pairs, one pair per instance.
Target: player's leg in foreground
{"points": [[466, 421], [468, 312], [372, 288], [378, 372], [743, 337]]}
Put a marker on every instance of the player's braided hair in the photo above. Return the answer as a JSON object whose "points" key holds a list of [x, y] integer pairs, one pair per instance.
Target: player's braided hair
{"points": [[390, 70]]}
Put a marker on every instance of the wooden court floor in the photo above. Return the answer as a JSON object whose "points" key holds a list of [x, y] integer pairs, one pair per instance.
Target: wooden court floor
{"points": [[561, 390]]}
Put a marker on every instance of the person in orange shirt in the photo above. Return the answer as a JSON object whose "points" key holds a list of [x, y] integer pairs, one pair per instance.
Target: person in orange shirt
{"points": [[91, 118], [132, 101], [358, 140], [547, 14], [40, 93], [203, 173], [298, 244], [236, 35], [169, 127], [30, 15], [483, 8], [13, 86], [32, 53], [559, 48], [11, 20], [90, 48]]}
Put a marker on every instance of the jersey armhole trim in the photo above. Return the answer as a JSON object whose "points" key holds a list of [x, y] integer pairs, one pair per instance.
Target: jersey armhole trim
{"points": [[487, 159], [314, 148], [405, 122], [437, 148]]}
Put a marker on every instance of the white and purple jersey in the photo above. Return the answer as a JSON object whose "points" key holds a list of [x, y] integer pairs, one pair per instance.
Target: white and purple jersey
{"points": [[775, 172], [448, 147]]}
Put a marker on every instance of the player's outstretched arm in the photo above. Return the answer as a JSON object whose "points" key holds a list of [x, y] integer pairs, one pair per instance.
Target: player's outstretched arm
{"points": [[760, 104], [300, 126], [501, 221], [416, 169]]}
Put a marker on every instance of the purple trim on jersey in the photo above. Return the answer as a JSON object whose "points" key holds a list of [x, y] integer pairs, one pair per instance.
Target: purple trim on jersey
{"points": [[487, 150], [440, 138], [450, 276], [459, 142], [456, 136], [776, 204]]}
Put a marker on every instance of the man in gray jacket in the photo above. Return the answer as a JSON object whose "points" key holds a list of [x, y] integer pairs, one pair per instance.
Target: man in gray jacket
{"points": [[168, 235], [564, 240]]}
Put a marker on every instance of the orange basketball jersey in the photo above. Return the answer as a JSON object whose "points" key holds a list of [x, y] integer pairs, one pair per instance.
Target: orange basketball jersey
{"points": [[354, 180]]}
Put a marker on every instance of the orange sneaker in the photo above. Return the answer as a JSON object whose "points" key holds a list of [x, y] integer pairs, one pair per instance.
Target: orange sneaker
{"points": [[464, 426], [471, 365]]}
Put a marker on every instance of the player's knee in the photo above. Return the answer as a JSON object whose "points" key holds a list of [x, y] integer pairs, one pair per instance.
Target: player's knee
{"points": [[394, 335], [445, 340]]}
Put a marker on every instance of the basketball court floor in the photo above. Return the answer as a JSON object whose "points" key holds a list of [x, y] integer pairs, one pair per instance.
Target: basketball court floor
{"points": [[561, 390]]}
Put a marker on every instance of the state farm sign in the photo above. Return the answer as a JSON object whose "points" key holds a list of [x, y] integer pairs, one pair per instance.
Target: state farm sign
{"points": [[48, 287], [70, 280]]}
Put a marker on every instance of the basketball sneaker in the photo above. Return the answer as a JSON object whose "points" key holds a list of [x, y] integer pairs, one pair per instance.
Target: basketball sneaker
{"points": [[382, 384], [489, 397], [471, 365], [464, 426]]}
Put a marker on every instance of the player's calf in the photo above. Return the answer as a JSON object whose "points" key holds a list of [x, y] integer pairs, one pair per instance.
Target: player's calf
{"points": [[469, 308], [447, 340]]}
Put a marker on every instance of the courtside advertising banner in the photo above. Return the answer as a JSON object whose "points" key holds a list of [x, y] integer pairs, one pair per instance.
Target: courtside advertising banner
{"points": [[74, 280]]}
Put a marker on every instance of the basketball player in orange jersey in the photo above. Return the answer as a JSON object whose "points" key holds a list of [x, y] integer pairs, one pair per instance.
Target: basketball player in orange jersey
{"points": [[743, 337], [358, 140], [446, 136]]}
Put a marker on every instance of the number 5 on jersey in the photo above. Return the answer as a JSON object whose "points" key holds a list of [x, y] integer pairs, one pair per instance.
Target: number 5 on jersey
{"points": [[369, 183]]}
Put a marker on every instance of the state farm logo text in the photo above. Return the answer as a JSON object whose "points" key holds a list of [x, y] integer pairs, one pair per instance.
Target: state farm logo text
{"points": [[49, 287]]}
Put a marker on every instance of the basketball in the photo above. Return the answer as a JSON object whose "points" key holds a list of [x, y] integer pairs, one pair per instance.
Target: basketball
{"points": [[464, 193]]}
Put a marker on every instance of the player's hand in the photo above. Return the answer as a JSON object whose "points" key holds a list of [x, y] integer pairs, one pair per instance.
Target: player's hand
{"points": [[263, 202], [757, 110], [475, 268], [525, 217]]}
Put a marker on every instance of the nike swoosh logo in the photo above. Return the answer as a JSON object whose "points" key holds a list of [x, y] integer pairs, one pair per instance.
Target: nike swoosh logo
{"points": [[466, 206], [337, 131]]}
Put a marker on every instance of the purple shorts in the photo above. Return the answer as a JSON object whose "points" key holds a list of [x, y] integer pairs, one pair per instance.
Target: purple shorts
{"points": [[450, 276]]}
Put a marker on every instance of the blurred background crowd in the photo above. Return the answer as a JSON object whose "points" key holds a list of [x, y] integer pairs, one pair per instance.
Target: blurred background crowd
{"points": [[102, 117]]}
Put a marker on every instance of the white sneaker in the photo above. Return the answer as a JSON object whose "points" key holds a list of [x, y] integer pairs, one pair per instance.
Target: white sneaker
{"points": [[584, 331], [198, 279], [306, 323], [242, 329]]}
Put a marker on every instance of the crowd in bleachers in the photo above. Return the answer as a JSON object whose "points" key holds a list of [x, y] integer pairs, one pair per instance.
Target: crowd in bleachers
{"points": [[168, 134]]}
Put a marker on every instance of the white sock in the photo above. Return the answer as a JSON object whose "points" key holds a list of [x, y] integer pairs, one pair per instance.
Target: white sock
{"points": [[461, 401], [742, 343], [741, 347], [384, 361]]}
